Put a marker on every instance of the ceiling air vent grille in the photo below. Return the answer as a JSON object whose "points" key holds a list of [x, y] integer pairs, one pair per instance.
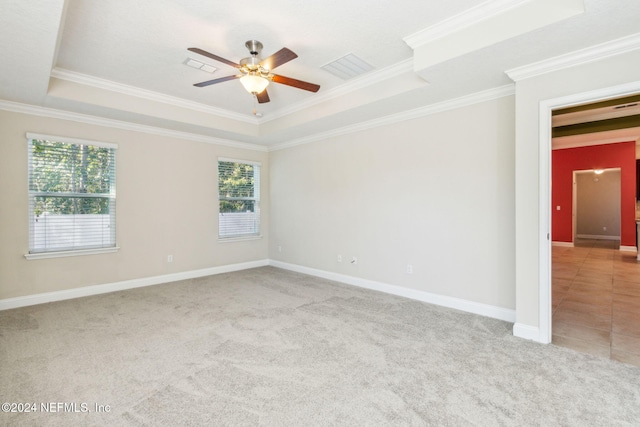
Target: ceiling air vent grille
{"points": [[347, 67], [199, 65]]}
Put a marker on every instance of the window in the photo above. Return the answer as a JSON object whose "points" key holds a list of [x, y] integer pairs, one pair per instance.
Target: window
{"points": [[239, 198], [72, 195]]}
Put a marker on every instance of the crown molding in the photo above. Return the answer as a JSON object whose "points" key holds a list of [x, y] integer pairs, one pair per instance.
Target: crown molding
{"points": [[112, 86], [597, 138], [349, 87], [458, 22], [588, 143], [474, 98], [357, 83], [578, 57], [460, 102], [118, 124]]}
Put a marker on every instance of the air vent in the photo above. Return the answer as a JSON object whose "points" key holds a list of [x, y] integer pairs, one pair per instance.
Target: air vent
{"points": [[199, 65], [347, 67]]}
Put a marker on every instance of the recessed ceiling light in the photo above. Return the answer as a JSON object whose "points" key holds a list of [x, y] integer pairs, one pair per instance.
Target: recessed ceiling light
{"points": [[199, 65], [347, 67]]}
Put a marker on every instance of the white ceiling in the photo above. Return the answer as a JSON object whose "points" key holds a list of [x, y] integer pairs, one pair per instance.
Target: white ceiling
{"points": [[124, 60]]}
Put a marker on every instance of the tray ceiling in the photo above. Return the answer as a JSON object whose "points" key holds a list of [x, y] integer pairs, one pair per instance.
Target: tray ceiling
{"points": [[126, 61]]}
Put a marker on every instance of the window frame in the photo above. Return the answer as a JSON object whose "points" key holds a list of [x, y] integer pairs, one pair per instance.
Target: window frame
{"points": [[39, 253], [256, 199]]}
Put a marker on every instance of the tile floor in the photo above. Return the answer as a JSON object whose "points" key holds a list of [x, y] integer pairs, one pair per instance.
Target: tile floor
{"points": [[596, 300]]}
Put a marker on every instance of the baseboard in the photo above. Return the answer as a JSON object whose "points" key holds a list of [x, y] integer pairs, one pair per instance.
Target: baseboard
{"points": [[563, 244], [9, 303], [597, 237], [527, 332], [571, 245], [500, 313], [486, 310]]}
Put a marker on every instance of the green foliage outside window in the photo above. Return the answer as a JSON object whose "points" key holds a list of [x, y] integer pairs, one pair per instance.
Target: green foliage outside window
{"points": [[60, 170], [236, 187]]}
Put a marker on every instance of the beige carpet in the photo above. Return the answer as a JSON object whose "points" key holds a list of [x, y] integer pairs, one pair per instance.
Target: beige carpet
{"points": [[271, 347]]}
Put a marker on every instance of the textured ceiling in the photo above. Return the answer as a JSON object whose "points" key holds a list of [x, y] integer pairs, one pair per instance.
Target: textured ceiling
{"points": [[144, 43], [125, 60]]}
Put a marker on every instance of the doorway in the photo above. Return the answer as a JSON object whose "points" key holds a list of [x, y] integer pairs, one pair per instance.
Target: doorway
{"points": [[543, 333], [596, 212], [592, 243]]}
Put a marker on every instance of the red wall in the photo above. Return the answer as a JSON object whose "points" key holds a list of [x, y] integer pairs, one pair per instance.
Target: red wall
{"points": [[564, 162]]}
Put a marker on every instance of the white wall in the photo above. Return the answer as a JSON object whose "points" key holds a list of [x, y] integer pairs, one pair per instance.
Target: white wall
{"points": [[166, 205], [435, 192]]}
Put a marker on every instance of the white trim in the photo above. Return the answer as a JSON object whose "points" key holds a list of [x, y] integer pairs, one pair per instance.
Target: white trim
{"points": [[459, 22], [75, 141], [583, 141], [367, 80], [246, 162], [544, 190], [495, 312], [597, 237], [478, 97], [87, 80], [474, 98], [578, 57], [364, 81], [500, 313], [529, 333], [119, 124], [544, 224], [9, 303], [563, 244], [79, 252], [628, 249]]}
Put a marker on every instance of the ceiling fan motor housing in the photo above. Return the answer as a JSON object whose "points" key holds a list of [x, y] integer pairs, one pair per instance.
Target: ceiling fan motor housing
{"points": [[255, 73], [254, 46], [251, 64]]}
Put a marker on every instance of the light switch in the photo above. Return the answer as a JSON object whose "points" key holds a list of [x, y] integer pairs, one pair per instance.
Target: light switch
{"points": [[558, 207]]}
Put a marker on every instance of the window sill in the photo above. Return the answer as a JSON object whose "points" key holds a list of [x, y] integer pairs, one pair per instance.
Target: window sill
{"points": [[43, 255], [238, 239]]}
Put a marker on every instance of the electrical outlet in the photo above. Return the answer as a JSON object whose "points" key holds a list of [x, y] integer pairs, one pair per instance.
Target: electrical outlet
{"points": [[409, 269], [339, 258], [169, 258], [354, 260], [279, 248]]}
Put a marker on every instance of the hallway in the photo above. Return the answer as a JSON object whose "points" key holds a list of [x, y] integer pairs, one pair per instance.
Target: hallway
{"points": [[596, 300]]}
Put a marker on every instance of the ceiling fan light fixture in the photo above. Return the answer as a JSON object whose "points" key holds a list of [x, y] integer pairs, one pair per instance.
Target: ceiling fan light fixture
{"points": [[253, 83]]}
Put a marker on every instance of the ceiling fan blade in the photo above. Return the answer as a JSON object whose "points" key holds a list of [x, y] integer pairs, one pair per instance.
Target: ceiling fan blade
{"points": [[214, 81], [263, 97], [311, 87], [282, 56], [214, 57]]}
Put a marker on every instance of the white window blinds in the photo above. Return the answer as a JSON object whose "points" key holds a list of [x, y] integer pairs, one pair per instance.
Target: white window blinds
{"points": [[239, 198], [72, 194]]}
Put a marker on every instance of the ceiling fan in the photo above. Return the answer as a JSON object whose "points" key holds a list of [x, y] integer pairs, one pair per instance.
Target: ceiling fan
{"points": [[255, 73]]}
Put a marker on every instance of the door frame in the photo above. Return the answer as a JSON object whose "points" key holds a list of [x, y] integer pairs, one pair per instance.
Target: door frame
{"points": [[544, 208]]}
